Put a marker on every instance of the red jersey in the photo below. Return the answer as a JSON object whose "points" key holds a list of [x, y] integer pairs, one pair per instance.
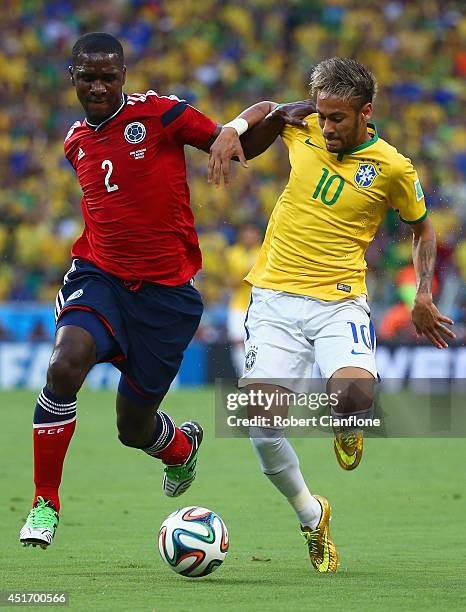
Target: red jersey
{"points": [[138, 221]]}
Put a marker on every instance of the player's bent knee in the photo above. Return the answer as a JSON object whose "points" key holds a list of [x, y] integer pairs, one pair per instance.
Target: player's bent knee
{"points": [[354, 400], [72, 358], [355, 393], [65, 375]]}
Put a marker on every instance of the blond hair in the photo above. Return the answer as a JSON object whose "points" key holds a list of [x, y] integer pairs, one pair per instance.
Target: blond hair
{"points": [[344, 78]]}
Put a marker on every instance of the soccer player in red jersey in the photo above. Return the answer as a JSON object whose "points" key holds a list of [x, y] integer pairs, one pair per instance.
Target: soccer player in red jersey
{"points": [[129, 297]]}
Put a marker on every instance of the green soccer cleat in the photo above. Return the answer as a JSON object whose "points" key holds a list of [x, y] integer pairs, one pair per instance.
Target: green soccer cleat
{"points": [[178, 478], [40, 525]]}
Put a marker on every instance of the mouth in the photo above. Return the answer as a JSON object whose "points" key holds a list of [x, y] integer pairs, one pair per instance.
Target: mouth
{"points": [[332, 142]]}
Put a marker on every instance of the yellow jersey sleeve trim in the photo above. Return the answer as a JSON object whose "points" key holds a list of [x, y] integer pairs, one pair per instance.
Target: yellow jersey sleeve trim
{"points": [[416, 220]]}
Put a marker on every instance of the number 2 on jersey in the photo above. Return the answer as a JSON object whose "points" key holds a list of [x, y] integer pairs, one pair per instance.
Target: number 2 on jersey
{"points": [[326, 182], [108, 164]]}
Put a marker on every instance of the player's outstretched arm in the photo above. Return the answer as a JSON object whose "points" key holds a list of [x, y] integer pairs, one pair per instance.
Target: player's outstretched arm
{"points": [[427, 319], [258, 127], [227, 145], [260, 136]]}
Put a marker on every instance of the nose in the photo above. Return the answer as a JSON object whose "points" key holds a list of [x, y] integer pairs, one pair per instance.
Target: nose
{"points": [[329, 128], [98, 87]]}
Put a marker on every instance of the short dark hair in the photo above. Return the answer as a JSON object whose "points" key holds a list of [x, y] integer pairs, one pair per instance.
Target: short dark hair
{"points": [[345, 78], [97, 42]]}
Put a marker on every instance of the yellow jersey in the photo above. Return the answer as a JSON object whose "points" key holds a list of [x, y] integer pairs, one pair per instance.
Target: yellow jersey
{"points": [[329, 213], [239, 261]]}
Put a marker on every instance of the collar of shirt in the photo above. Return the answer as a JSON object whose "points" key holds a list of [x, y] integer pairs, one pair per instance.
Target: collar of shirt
{"points": [[97, 127]]}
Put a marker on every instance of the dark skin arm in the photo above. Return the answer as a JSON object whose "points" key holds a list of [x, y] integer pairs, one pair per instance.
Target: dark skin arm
{"points": [[253, 115], [259, 137], [212, 139], [266, 121], [234, 146], [427, 319]]}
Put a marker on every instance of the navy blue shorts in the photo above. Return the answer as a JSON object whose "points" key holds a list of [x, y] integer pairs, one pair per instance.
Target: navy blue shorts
{"points": [[151, 324]]}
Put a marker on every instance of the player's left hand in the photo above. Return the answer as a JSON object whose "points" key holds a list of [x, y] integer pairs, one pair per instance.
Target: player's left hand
{"points": [[430, 322], [293, 113], [226, 146]]}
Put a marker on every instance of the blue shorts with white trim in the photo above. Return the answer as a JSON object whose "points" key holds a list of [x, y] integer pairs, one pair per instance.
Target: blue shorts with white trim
{"points": [[151, 324]]}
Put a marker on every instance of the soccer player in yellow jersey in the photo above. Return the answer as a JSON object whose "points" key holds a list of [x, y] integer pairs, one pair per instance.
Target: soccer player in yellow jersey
{"points": [[240, 257], [309, 297]]}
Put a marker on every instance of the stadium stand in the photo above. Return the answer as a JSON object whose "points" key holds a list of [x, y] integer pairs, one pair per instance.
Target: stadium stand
{"points": [[244, 52]]}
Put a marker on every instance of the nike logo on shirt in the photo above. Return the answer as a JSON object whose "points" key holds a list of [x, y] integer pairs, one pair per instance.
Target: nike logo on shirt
{"points": [[353, 352], [309, 142]]}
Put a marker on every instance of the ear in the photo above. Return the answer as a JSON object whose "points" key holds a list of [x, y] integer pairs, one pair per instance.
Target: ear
{"points": [[123, 81], [70, 70], [367, 111]]}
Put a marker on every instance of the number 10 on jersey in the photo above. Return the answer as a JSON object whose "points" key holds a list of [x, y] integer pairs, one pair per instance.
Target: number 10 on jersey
{"points": [[325, 184]]}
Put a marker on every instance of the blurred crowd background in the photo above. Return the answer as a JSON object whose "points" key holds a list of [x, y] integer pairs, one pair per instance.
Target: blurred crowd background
{"points": [[222, 56]]}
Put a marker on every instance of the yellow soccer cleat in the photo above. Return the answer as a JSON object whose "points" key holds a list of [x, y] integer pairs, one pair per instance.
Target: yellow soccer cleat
{"points": [[322, 551], [348, 449]]}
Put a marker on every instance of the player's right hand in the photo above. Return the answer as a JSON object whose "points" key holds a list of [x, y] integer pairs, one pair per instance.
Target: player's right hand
{"points": [[226, 147]]}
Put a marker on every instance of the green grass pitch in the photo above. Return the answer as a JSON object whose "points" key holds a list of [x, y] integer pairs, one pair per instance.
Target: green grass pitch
{"points": [[398, 521]]}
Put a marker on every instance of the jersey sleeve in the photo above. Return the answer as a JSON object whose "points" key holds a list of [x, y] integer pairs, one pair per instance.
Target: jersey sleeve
{"points": [[405, 192], [290, 133], [287, 135], [187, 125], [70, 145]]}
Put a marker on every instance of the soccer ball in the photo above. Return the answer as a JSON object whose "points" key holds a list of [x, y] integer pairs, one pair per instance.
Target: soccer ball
{"points": [[193, 541]]}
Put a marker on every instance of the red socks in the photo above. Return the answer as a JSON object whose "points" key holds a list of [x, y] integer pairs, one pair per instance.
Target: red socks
{"points": [[54, 425], [171, 445], [177, 451]]}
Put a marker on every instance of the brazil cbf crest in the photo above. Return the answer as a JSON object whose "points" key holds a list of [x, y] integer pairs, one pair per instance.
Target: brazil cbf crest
{"points": [[135, 132], [365, 175], [250, 359]]}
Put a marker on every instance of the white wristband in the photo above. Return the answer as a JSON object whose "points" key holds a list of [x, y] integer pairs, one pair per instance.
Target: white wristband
{"points": [[239, 124]]}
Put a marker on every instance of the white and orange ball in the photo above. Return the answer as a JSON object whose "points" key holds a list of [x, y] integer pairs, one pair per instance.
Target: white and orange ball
{"points": [[193, 541]]}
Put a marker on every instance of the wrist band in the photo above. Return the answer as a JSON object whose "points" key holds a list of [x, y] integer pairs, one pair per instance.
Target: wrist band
{"points": [[239, 124]]}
